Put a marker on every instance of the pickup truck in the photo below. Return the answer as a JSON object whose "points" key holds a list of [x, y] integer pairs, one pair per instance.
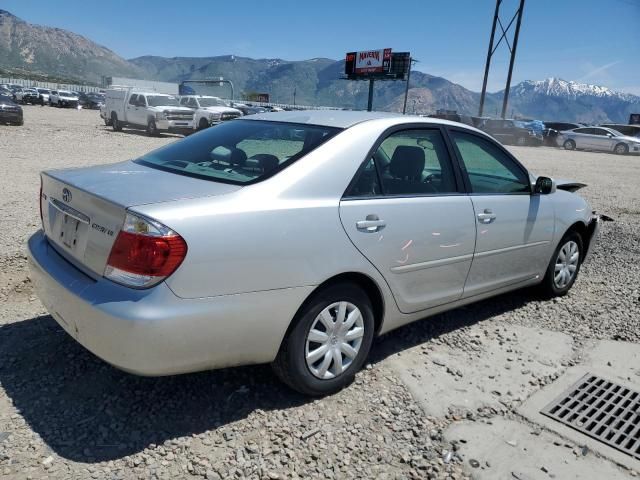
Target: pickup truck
{"points": [[156, 112], [208, 110]]}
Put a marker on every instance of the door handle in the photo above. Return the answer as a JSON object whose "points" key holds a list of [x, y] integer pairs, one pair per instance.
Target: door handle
{"points": [[371, 224], [487, 216]]}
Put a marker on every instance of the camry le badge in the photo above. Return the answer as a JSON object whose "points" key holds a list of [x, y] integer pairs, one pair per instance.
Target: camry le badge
{"points": [[66, 195]]}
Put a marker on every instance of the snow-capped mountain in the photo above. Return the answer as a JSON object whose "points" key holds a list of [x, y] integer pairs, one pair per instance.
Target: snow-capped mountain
{"points": [[562, 100], [562, 88]]}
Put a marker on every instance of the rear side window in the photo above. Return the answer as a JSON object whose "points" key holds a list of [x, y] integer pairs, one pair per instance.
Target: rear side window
{"points": [[239, 151], [489, 169]]}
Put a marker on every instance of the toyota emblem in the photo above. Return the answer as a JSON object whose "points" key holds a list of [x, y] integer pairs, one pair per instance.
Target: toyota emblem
{"points": [[66, 195]]}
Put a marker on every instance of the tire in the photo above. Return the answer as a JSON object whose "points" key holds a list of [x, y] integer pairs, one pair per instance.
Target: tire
{"points": [[621, 149], [521, 141], [569, 145], [202, 124], [115, 124], [304, 374], [563, 260], [152, 129]]}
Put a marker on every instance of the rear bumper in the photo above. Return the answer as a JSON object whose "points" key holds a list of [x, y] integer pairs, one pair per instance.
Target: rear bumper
{"points": [[153, 332]]}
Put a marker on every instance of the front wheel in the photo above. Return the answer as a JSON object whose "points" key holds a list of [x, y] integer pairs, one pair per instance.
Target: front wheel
{"points": [[569, 145], [328, 342], [152, 129], [564, 267], [202, 124]]}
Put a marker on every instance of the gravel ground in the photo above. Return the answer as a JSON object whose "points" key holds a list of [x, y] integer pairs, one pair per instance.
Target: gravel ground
{"points": [[65, 414]]}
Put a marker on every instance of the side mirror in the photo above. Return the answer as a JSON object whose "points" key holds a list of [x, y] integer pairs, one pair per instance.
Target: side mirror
{"points": [[609, 135], [544, 186]]}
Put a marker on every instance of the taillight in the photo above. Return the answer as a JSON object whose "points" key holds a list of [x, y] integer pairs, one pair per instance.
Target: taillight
{"points": [[144, 253]]}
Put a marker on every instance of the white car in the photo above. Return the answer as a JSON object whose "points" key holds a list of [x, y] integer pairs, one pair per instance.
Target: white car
{"points": [[208, 110], [63, 98], [598, 139], [296, 238]]}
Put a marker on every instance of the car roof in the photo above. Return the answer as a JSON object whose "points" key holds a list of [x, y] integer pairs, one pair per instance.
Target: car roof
{"points": [[343, 119]]}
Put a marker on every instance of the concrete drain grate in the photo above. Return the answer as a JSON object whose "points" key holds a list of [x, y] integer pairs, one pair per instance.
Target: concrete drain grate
{"points": [[604, 410]]}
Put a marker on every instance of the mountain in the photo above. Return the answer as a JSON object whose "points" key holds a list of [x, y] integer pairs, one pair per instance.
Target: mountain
{"points": [[52, 53], [315, 82], [55, 53], [564, 100]]}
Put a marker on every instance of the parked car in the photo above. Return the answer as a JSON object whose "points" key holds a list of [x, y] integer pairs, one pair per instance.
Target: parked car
{"points": [[628, 130], [10, 112], [553, 129], [454, 117], [91, 100], [63, 98], [249, 109], [156, 112], [238, 245], [43, 95], [27, 95], [598, 139], [511, 132], [208, 110]]}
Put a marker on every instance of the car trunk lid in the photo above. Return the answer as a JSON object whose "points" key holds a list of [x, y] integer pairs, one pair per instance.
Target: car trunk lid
{"points": [[83, 209]]}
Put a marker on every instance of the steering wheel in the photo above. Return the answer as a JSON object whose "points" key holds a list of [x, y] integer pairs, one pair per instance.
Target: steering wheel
{"points": [[431, 177]]}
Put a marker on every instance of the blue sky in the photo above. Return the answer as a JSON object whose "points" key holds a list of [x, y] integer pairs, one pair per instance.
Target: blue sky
{"points": [[593, 41]]}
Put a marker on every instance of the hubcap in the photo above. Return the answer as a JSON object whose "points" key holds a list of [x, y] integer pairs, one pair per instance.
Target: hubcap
{"points": [[566, 264], [334, 340]]}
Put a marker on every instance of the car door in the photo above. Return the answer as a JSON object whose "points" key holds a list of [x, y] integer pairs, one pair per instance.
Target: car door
{"points": [[132, 109], [603, 140], [514, 227], [406, 213], [583, 137]]}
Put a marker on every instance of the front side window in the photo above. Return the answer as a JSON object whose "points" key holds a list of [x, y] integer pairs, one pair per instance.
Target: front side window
{"points": [[239, 152], [490, 170]]}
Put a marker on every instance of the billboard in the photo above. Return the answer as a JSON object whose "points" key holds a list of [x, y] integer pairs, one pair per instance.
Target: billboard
{"points": [[634, 119], [366, 62]]}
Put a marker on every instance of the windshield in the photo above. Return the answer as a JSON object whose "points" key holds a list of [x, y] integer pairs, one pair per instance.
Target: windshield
{"points": [[239, 151], [211, 102], [44, 90], [162, 101], [62, 93]]}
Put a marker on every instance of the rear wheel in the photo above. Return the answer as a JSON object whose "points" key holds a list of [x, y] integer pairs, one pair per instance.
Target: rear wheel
{"points": [[328, 342], [569, 145], [564, 267], [115, 124], [621, 149]]}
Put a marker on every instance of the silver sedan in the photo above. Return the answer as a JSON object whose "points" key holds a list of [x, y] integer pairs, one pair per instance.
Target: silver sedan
{"points": [[599, 139], [295, 238]]}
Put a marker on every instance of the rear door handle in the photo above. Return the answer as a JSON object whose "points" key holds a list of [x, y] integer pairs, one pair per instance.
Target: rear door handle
{"points": [[487, 216], [371, 224]]}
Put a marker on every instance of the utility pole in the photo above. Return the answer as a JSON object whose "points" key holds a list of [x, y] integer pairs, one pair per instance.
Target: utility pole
{"points": [[492, 49], [505, 100], [406, 91], [370, 100]]}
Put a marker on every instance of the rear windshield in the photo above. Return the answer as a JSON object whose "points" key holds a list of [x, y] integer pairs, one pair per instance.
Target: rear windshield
{"points": [[239, 151]]}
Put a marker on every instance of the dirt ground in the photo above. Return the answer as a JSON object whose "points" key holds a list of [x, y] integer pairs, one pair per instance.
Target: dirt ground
{"points": [[66, 414]]}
